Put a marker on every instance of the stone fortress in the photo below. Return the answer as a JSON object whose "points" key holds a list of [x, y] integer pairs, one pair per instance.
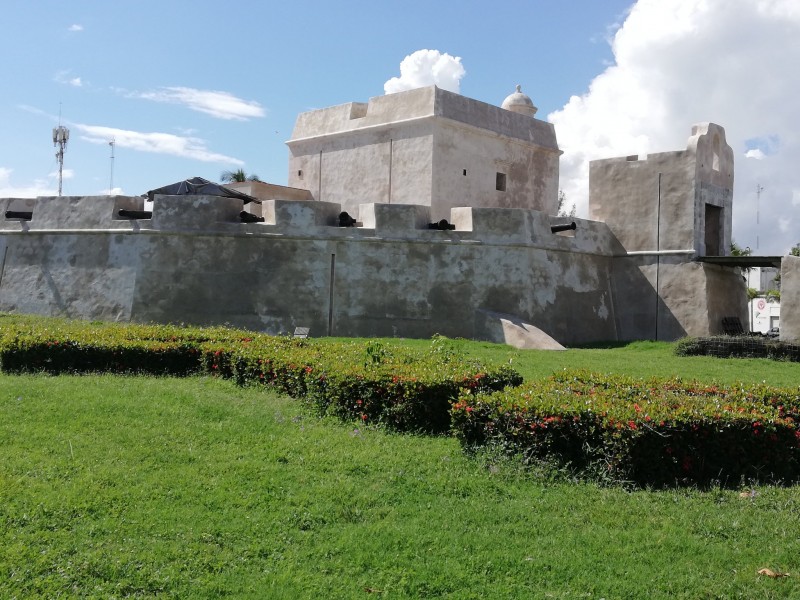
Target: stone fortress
{"points": [[416, 213]]}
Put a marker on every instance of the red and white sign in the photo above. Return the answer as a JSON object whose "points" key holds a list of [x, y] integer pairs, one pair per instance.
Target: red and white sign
{"points": [[761, 304]]}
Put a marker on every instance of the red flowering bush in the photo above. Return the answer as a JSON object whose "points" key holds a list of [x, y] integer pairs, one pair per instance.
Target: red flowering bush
{"points": [[402, 389], [649, 432]]}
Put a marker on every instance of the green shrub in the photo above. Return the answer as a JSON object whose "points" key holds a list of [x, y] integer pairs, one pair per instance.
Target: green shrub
{"points": [[402, 389], [752, 346], [648, 432]]}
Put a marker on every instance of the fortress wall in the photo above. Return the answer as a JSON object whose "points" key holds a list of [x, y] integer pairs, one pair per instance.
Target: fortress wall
{"points": [[383, 164], [790, 298], [463, 175], [395, 277], [667, 297]]}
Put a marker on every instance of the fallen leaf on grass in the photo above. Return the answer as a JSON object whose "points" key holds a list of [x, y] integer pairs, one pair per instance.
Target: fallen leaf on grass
{"points": [[370, 590], [771, 573], [750, 494]]}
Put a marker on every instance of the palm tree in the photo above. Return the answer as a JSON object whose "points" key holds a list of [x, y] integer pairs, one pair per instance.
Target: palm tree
{"points": [[237, 176]]}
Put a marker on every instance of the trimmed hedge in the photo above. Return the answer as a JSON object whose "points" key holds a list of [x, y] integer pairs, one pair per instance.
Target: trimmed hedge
{"points": [[647, 432], [726, 346], [402, 389]]}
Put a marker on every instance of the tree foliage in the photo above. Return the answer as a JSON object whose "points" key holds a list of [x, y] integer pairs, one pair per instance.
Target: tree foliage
{"points": [[562, 210], [237, 176], [737, 250]]}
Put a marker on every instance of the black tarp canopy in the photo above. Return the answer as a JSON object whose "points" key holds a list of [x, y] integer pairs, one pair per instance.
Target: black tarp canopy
{"points": [[197, 186]]}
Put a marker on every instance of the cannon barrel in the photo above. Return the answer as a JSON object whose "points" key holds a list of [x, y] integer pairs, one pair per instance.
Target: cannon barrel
{"points": [[563, 227], [442, 225], [345, 220], [135, 214], [19, 214], [246, 217]]}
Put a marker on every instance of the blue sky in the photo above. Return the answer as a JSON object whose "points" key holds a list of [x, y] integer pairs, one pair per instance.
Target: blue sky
{"points": [[195, 88]]}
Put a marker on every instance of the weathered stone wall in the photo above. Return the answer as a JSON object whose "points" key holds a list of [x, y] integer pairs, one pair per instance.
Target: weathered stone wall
{"points": [[667, 201], [194, 262], [667, 210], [790, 299], [426, 146]]}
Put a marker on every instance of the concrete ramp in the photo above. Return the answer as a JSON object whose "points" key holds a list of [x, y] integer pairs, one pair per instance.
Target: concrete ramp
{"points": [[502, 328]]}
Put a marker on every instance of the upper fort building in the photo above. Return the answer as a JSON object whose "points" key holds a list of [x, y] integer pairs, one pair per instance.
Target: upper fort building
{"points": [[428, 147]]}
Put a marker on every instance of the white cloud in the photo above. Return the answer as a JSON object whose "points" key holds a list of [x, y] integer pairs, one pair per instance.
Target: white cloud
{"points": [[756, 153], [427, 67], [681, 62], [115, 191], [63, 77], [31, 190], [76, 27], [221, 105], [158, 143], [65, 174]]}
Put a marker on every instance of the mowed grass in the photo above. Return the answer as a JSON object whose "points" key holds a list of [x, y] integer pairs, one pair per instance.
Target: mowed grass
{"points": [[194, 488], [638, 359]]}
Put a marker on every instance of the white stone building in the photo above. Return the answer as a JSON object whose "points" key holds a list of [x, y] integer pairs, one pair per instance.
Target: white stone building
{"points": [[427, 147]]}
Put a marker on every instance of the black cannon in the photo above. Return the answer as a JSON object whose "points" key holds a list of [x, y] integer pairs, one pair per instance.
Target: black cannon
{"points": [[442, 225], [246, 217], [563, 227], [19, 214], [135, 214], [345, 220]]}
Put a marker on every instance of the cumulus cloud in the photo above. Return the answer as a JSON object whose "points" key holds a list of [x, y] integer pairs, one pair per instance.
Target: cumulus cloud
{"points": [[65, 174], [756, 153], [76, 27], [64, 77], [158, 143], [427, 67], [681, 62], [9, 189], [221, 105]]}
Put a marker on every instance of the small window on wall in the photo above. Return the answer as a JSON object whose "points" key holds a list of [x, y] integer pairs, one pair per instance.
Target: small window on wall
{"points": [[465, 172], [500, 184], [300, 173]]}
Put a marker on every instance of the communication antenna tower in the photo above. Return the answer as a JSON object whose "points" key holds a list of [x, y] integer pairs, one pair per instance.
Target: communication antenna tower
{"points": [[60, 139], [759, 189], [111, 182]]}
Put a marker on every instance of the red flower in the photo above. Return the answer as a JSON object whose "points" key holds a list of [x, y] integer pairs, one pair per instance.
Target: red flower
{"points": [[631, 424], [363, 417], [468, 409]]}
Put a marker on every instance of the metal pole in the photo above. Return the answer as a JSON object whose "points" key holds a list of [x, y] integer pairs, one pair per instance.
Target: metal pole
{"points": [[658, 249]]}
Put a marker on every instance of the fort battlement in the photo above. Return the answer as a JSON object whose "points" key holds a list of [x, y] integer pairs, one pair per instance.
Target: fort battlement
{"points": [[304, 219]]}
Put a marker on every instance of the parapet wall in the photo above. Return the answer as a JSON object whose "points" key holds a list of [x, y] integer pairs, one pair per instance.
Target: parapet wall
{"points": [[193, 261]]}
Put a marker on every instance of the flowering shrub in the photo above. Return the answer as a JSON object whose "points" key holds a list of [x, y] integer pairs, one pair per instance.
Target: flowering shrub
{"points": [[402, 389], [649, 432]]}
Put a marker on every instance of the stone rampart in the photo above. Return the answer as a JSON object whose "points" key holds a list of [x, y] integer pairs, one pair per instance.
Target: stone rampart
{"points": [[194, 262]]}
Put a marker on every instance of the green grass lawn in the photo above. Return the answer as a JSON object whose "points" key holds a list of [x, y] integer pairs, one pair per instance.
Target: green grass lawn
{"points": [[639, 359], [145, 487]]}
